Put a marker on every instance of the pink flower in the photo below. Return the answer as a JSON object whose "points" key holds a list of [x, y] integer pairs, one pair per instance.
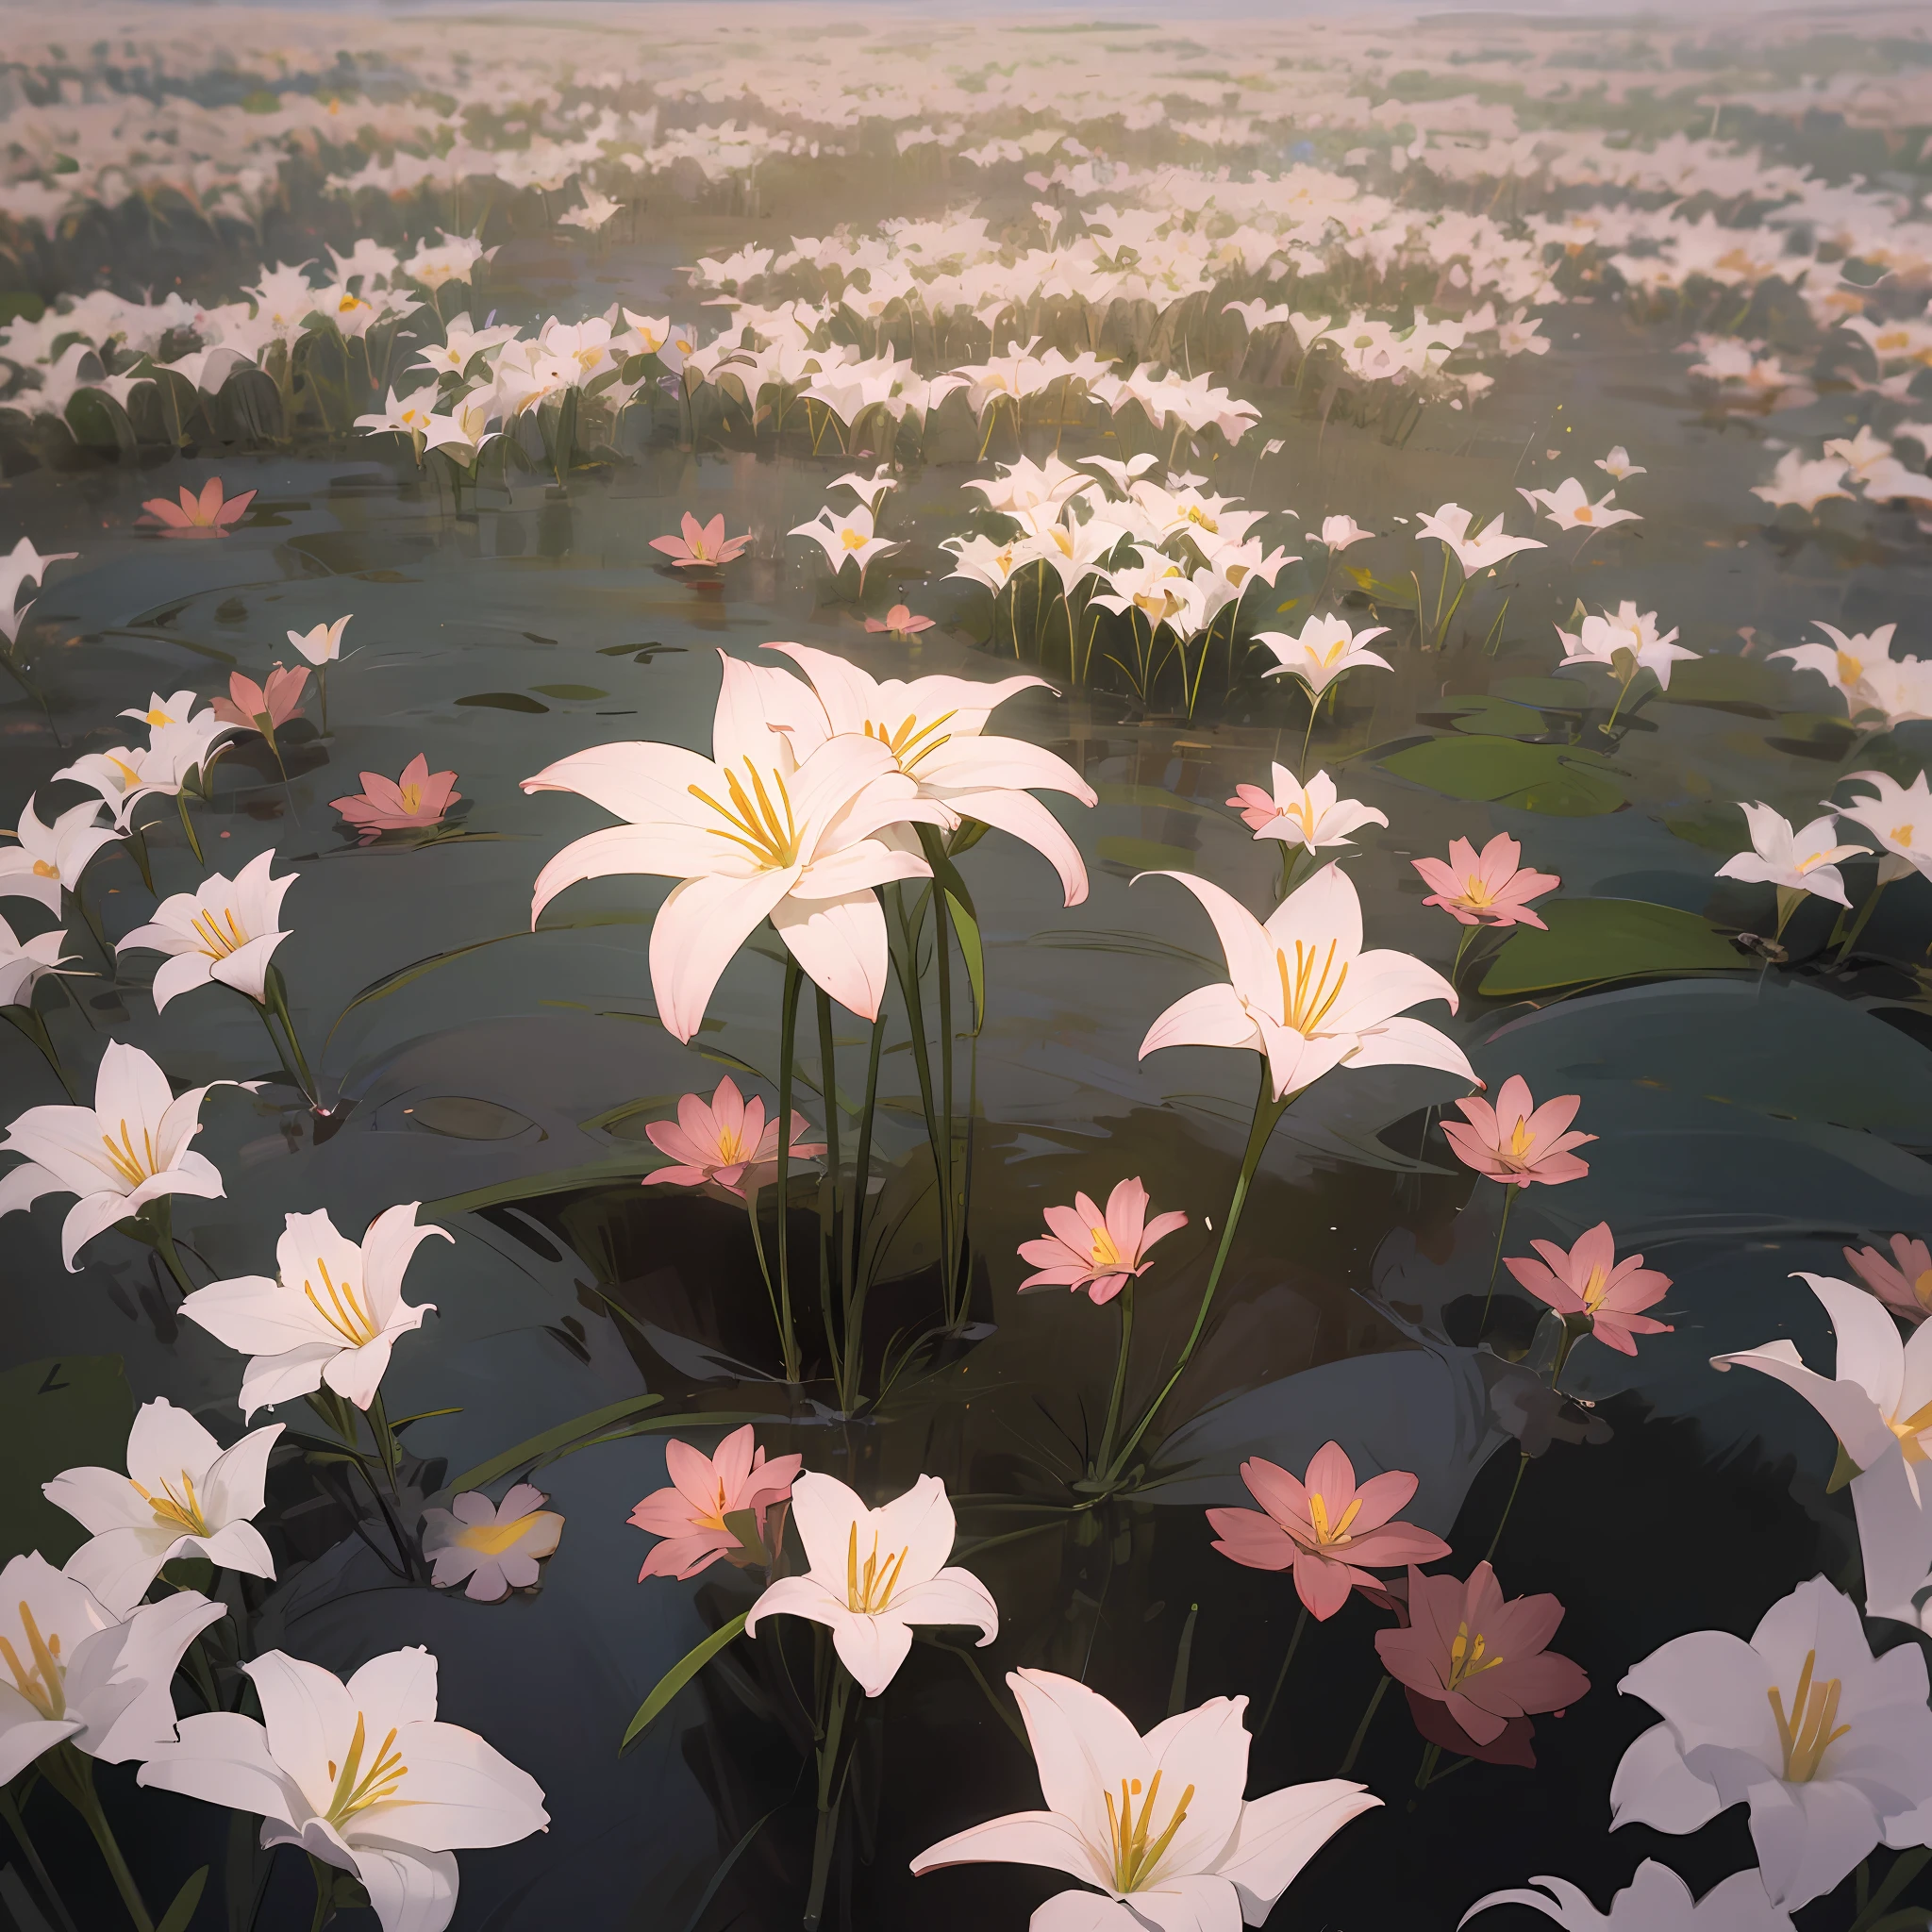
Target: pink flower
{"points": [[1325, 1528], [1906, 1289], [1487, 886], [1482, 1657], [1517, 1142], [258, 708], [419, 797], [723, 1141], [1590, 1280], [207, 515], [701, 543], [705, 1489], [900, 620], [1095, 1251]]}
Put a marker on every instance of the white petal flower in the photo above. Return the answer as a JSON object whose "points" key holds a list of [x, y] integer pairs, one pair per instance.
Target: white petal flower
{"points": [[874, 1574], [1656, 1900], [183, 1494], [50, 856], [494, 1547], [1320, 652], [332, 1316], [360, 1776], [1156, 1822], [224, 930], [1794, 861]]}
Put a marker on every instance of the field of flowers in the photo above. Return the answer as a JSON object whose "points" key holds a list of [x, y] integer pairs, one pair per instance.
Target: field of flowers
{"points": [[1002, 894]]}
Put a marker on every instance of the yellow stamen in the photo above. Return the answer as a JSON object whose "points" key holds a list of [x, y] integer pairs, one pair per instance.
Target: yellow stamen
{"points": [[1467, 1658], [182, 1513], [1809, 1732], [1902, 835], [125, 1162], [905, 743], [43, 870], [346, 1314], [42, 1683], [853, 540], [1106, 1254], [756, 825], [352, 1793], [129, 774], [1849, 668], [1521, 1140], [493, 1539], [219, 944], [1318, 1515], [870, 1590], [1306, 1001], [1134, 1860]]}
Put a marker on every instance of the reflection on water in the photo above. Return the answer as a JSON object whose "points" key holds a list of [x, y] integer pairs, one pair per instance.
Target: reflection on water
{"points": [[1080, 358]]}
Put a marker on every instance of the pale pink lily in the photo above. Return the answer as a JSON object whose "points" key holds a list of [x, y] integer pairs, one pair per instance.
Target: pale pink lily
{"points": [[755, 831], [1488, 545], [1903, 1284], [1588, 1279], [23, 962], [935, 728], [1900, 818], [689, 1513], [1515, 1141], [79, 1673], [1569, 506], [727, 1139], [701, 545], [224, 930], [493, 1548], [851, 536], [1486, 888], [361, 1775], [49, 858], [332, 1314], [183, 1494], [263, 707], [1656, 1900], [1618, 464], [1847, 661], [322, 643], [1323, 650], [129, 1149], [1624, 641], [1330, 1530], [1311, 815], [1796, 863], [874, 1574], [207, 515], [1156, 1823], [1099, 1251], [1337, 533], [1301, 991]]}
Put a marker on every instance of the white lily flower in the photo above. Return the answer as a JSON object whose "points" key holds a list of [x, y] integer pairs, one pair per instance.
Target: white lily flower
{"points": [[23, 962], [1569, 506], [1793, 861], [50, 856], [1831, 1746], [874, 1574], [1320, 652], [1846, 661], [126, 1150], [78, 1674], [183, 1495], [1805, 484], [332, 1314], [224, 930], [1490, 545], [1899, 817], [1618, 464], [127, 775], [848, 536], [1656, 1900], [1628, 630], [176, 708], [324, 643], [1337, 533], [23, 564], [361, 1776], [1156, 1822], [1302, 992], [1311, 816]]}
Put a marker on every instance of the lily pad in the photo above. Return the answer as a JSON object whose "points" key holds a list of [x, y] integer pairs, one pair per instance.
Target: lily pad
{"points": [[1745, 685], [1545, 693], [1554, 779], [581, 691], [1492, 717], [1592, 941], [58, 1414], [504, 701]]}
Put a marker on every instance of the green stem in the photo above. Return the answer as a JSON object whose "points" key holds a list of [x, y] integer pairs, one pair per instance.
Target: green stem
{"points": [[830, 1790], [321, 685], [911, 928], [1510, 1190], [1432, 1755], [1268, 1110], [1301, 1624], [16, 1823], [1522, 1463], [1469, 932], [787, 1044], [1119, 1376], [1904, 1868], [275, 1040], [1623, 692], [35, 1028], [325, 1892], [164, 1247], [1788, 899], [75, 1781], [187, 825], [942, 935], [861, 1181], [831, 1248], [136, 843], [279, 994], [1361, 1730], [1314, 699], [757, 1242], [1859, 925]]}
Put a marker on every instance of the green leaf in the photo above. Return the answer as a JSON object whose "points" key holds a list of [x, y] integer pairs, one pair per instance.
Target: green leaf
{"points": [[1494, 717], [679, 1674], [562, 1436], [973, 949], [504, 701], [570, 692], [530, 1186], [1144, 855], [65, 1412], [1590, 941], [1544, 694], [1731, 683], [177, 1915], [1553, 778]]}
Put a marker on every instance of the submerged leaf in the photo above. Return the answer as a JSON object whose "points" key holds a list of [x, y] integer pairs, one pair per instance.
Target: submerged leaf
{"points": [[1591, 940], [504, 701], [1556, 779]]}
